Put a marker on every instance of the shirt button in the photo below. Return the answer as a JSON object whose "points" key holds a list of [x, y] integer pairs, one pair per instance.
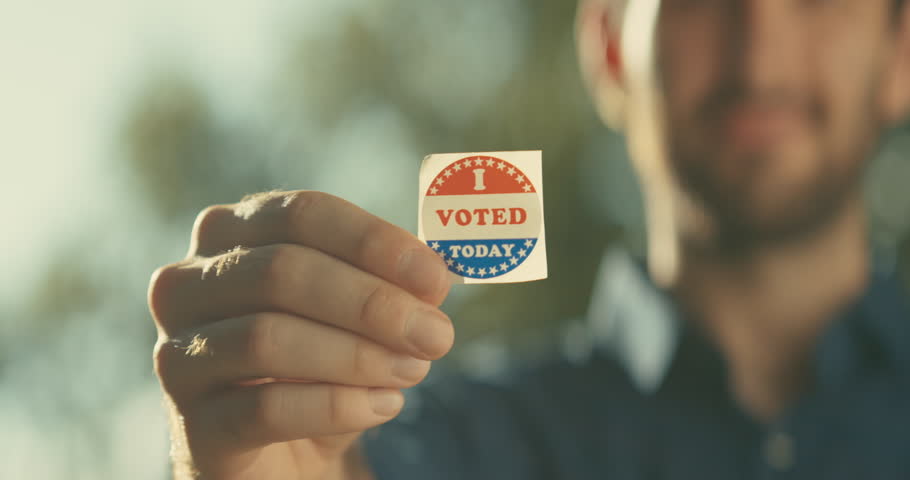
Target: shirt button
{"points": [[779, 451]]}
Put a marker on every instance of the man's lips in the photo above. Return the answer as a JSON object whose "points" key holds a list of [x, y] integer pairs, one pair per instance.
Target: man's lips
{"points": [[752, 127]]}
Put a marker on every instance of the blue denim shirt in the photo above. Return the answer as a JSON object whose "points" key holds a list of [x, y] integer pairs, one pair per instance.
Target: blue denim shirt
{"points": [[651, 401]]}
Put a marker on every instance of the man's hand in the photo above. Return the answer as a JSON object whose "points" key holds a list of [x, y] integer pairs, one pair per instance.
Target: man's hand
{"points": [[289, 329]]}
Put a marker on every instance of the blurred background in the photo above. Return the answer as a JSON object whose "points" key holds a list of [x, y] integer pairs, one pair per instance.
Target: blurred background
{"points": [[121, 119]]}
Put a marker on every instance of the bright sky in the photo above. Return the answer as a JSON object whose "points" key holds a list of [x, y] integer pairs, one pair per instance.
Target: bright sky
{"points": [[67, 68]]}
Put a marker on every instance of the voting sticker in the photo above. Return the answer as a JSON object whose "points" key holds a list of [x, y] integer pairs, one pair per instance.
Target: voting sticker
{"points": [[483, 214]]}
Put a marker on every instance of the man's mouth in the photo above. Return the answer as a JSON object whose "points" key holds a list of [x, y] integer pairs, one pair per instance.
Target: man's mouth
{"points": [[757, 127]]}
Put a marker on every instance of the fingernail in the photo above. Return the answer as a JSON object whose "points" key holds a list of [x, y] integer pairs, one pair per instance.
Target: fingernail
{"points": [[429, 332], [386, 402], [409, 368], [421, 272]]}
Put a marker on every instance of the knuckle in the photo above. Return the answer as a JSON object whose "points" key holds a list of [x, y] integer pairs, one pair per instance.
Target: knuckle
{"points": [[299, 204], [207, 225], [383, 309], [253, 203], [276, 269], [261, 341], [269, 408], [372, 242], [364, 359], [273, 270], [252, 418], [164, 357], [339, 408], [161, 286]]}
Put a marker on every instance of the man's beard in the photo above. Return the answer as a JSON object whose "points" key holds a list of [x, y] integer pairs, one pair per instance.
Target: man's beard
{"points": [[737, 227], [739, 219]]}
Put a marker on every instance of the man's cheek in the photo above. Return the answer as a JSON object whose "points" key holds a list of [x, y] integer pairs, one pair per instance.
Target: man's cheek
{"points": [[689, 67], [852, 120]]}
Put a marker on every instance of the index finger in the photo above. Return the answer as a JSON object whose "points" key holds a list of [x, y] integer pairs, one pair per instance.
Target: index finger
{"points": [[330, 224]]}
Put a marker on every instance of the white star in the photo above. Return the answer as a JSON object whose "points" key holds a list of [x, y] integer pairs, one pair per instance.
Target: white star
{"points": [[522, 252], [440, 181], [514, 261], [433, 190], [482, 272], [467, 163], [493, 270], [457, 167], [511, 171], [520, 179], [526, 187], [528, 243], [459, 267], [478, 162], [470, 270], [500, 165], [442, 254], [434, 245], [448, 173], [503, 266], [490, 162], [450, 262]]}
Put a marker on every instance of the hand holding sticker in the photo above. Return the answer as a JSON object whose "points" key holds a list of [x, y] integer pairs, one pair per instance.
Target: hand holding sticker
{"points": [[483, 214]]}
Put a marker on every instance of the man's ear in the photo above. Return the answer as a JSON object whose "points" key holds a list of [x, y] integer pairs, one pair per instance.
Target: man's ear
{"points": [[597, 32], [896, 90]]}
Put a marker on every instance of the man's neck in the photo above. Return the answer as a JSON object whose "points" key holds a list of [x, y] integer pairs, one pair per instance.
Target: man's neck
{"points": [[766, 309]]}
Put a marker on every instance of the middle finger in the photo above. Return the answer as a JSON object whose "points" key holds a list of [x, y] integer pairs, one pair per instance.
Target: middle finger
{"points": [[282, 346], [304, 282]]}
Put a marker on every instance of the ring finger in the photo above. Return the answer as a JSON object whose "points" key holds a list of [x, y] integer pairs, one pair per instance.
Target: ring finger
{"points": [[282, 346]]}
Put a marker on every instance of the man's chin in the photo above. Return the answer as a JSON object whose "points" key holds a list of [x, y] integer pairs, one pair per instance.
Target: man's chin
{"points": [[743, 224]]}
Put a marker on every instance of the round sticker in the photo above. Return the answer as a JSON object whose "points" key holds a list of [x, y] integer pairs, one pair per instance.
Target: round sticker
{"points": [[482, 215]]}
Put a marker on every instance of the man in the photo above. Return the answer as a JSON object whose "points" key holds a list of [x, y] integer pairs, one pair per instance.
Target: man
{"points": [[296, 318]]}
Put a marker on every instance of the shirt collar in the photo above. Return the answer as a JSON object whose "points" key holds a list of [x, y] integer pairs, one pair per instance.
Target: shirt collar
{"points": [[637, 324], [632, 320]]}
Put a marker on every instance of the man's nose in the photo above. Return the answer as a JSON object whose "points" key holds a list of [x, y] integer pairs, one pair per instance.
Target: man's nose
{"points": [[767, 40]]}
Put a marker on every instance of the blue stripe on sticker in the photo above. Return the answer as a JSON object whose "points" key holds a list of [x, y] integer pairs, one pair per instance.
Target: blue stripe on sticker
{"points": [[483, 258]]}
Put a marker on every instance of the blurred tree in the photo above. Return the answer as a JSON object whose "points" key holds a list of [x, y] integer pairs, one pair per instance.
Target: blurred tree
{"points": [[68, 289], [182, 155]]}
